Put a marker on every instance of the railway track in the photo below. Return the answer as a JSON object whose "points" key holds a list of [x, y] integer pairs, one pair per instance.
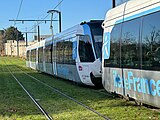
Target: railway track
{"points": [[48, 117], [54, 89]]}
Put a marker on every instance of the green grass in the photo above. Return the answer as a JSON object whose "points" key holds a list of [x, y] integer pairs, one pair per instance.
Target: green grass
{"points": [[15, 104]]}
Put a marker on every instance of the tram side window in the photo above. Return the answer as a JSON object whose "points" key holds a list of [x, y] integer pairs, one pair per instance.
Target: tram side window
{"points": [[70, 52], [28, 55], [151, 42], [130, 48], [64, 52], [85, 49], [33, 55], [114, 59], [40, 55], [48, 52], [60, 52], [59, 49]]}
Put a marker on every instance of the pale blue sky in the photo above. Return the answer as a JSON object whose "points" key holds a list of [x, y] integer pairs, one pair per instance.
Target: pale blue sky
{"points": [[73, 12]]}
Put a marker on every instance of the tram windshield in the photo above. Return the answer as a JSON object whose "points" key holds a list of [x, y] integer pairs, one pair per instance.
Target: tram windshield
{"points": [[85, 49], [97, 33]]}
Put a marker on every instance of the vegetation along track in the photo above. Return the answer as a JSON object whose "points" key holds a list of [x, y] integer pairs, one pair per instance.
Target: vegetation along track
{"points": [[31, 97], [61, 93], [54, 90], [13, 100], [60, 107]]}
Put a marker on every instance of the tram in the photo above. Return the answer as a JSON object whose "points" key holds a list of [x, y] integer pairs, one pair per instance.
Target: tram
{"points": [[131, 51], [74, 54]]}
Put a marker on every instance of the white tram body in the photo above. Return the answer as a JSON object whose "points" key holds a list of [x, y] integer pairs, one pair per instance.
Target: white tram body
{"points": [[131, 51], [32, 56], [74, 54]]}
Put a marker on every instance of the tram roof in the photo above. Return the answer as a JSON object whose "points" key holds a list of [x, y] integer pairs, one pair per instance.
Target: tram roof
{"points": [[128, 10]]}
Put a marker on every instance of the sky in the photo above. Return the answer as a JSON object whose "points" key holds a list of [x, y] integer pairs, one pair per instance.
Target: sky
{"points": [[73, 12]]}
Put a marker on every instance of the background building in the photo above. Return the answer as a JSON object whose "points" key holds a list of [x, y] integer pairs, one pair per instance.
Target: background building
{"points": [[12, 49], [42, 37]]}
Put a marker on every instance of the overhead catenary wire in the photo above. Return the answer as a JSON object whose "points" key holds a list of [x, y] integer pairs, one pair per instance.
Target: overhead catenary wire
{"points": [[19, 11], [47, 15], [16, 28], [54, 8]]}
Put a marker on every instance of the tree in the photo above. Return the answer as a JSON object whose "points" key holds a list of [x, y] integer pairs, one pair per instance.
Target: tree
{"points": [[2, 34], [12, 33]]}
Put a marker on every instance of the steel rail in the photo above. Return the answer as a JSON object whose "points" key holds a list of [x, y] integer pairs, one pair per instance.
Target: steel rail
{"points": [[67, 96], [31, 97]]}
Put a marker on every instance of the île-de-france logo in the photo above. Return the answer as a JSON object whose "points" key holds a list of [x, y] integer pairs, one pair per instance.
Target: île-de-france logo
{"points": [[106, 45]]}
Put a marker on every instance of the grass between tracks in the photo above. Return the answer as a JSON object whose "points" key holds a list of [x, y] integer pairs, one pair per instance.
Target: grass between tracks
{"points": [[15, 104]]}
